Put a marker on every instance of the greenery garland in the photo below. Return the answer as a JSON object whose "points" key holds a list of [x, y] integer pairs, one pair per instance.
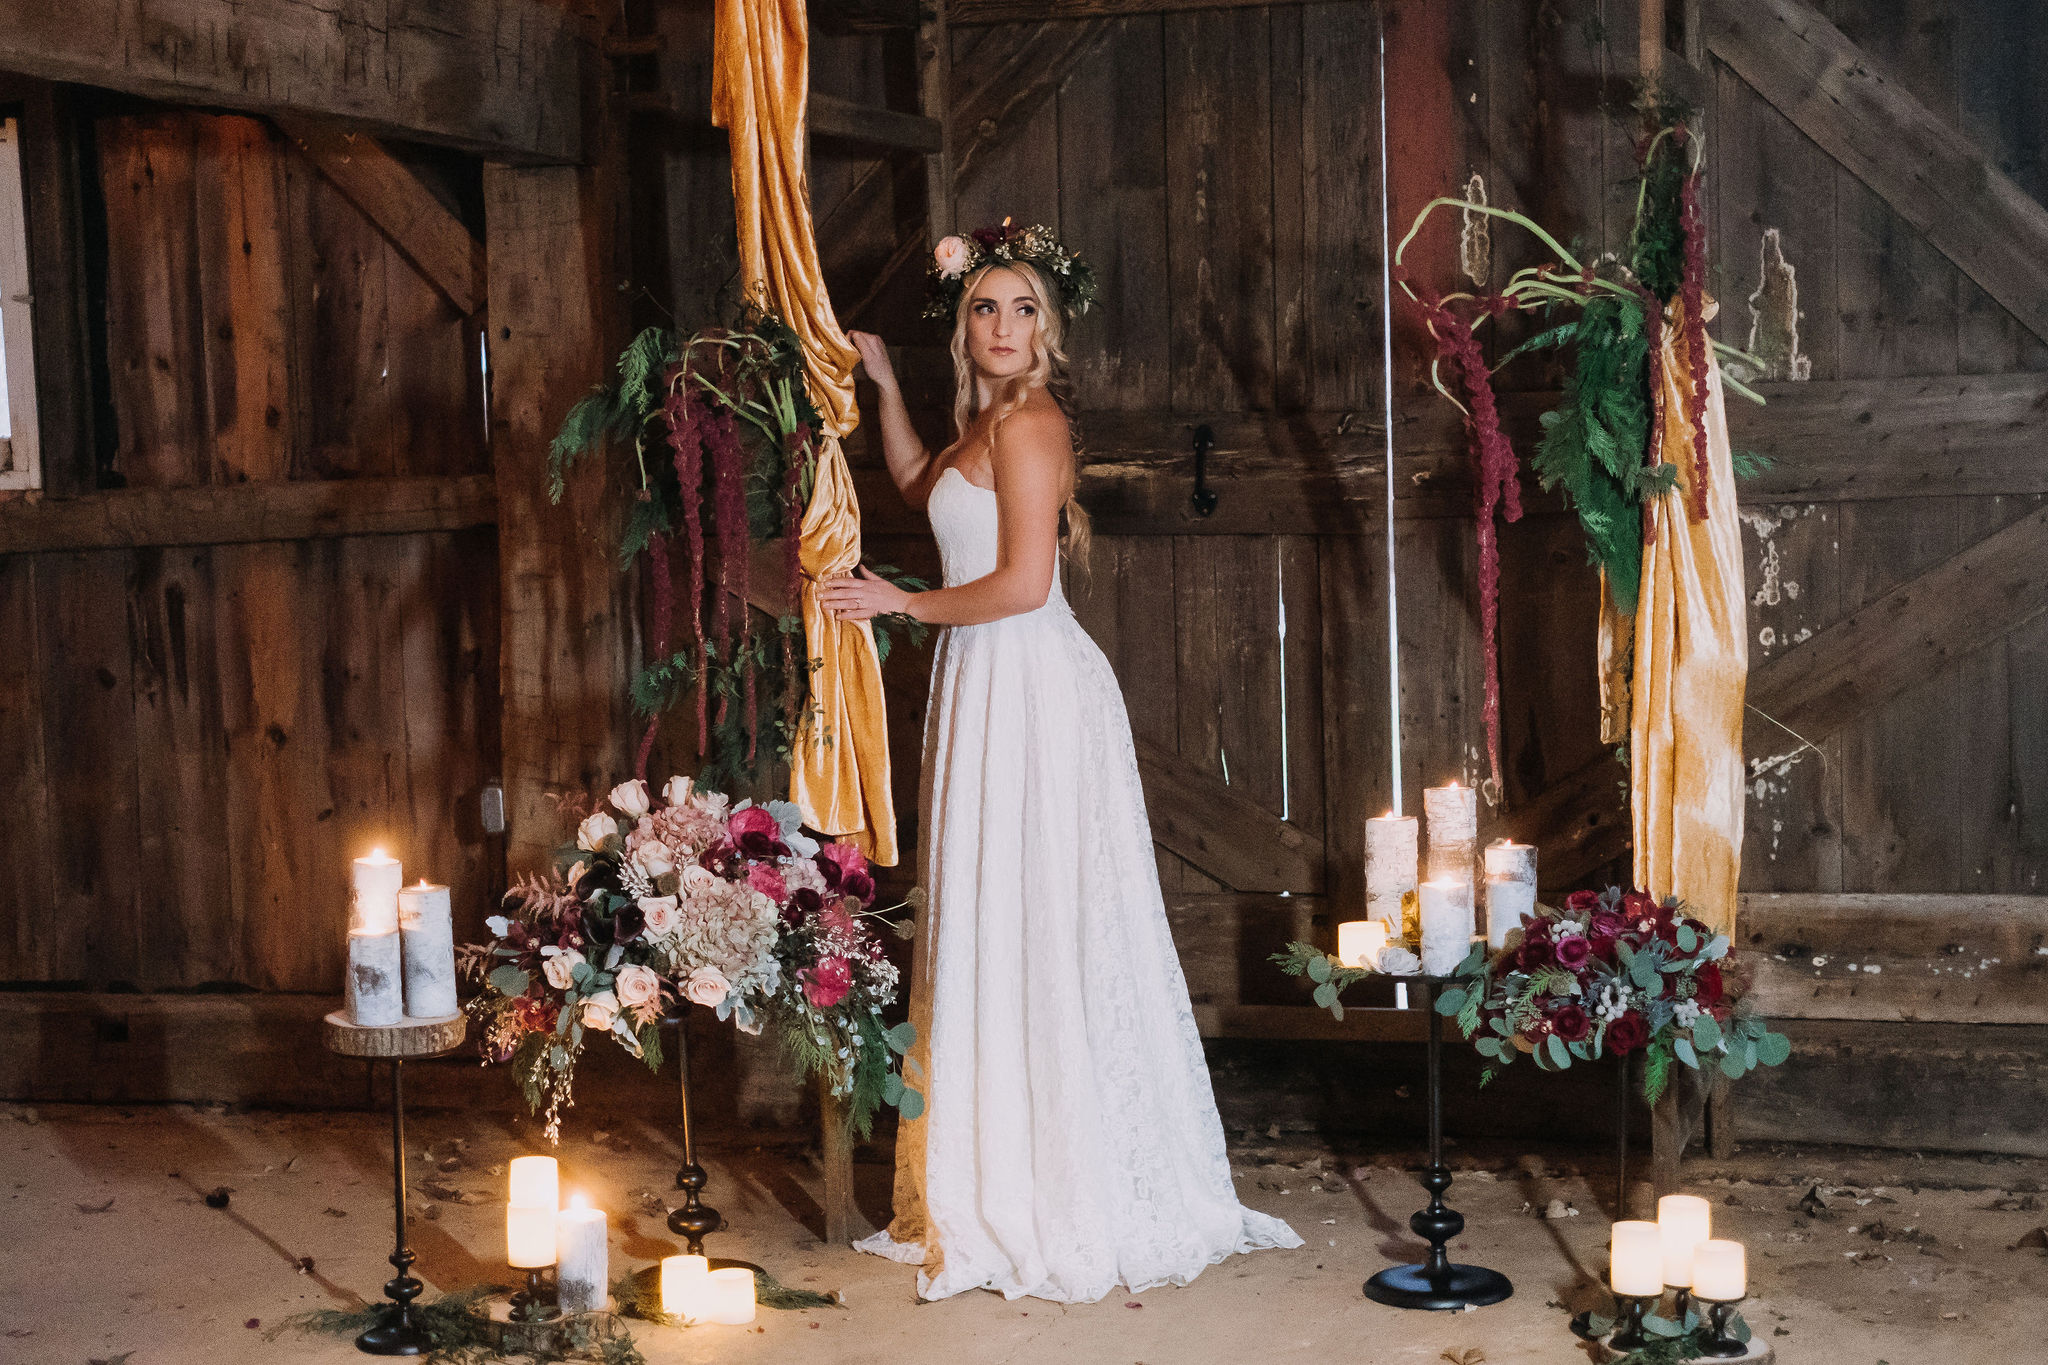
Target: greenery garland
{"points": [[717, 421]]}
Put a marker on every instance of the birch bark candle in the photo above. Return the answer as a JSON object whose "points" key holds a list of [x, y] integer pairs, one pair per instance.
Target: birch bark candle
{"points": [[1510, 888], [1446, 925], [1390, 864], [376, 992], [1453, 814], [1635, 1265], [581, 1284], [732, 1296], [376, 880], [1682, 1224], [428, 932]]}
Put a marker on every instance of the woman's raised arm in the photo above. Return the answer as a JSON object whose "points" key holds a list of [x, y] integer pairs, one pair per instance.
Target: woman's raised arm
{"points": [[909, 461]]}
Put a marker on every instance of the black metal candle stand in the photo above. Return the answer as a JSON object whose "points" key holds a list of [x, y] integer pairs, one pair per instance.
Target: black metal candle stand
{"points": [[1722, 1345], [1437, 1282], [1628, 1326], [695, 1220], [400, 1334], [536, 1302]]}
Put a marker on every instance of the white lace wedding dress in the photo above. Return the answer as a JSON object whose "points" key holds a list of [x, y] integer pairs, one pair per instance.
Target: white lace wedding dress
{"points": [[1070, 1140]]}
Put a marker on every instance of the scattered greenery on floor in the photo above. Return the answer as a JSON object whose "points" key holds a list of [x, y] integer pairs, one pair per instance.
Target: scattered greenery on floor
{"points": [[1671, 1341], [639, 1296], [462, 1332]]}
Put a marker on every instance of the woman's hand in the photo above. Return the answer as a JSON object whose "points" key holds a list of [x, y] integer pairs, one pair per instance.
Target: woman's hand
{"points": [[863, 596], [874, 356]]}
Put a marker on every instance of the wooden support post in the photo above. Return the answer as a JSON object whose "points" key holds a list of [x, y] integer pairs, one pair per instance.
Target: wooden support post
{"points": [[844, 1222], [934, 84], [568, 628]]}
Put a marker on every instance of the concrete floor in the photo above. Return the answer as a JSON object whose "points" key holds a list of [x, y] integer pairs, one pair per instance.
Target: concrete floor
{"points": [[109, 1248]]}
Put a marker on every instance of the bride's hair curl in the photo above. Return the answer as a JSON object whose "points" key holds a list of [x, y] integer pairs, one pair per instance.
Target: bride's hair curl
{"points": [[1048, 370]]}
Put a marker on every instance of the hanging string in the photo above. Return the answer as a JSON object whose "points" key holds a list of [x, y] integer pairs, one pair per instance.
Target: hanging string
{"points": [[1387, 391]]}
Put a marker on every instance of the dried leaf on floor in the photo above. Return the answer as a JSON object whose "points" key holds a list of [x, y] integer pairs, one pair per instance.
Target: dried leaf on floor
{"points": [[218, 1198], [1470, 1356], [97, 1208], [2037, 1240]]}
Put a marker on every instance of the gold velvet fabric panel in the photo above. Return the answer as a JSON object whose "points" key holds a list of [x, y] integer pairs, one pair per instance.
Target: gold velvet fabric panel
{"points": [[1691, 661], [839, 776]]}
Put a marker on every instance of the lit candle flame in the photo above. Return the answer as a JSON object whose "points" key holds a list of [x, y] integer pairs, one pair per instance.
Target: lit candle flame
{"points": [[577, 1201]]}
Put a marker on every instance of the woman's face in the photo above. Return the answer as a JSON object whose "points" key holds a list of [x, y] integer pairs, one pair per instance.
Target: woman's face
{"points": [[1002, 316]]}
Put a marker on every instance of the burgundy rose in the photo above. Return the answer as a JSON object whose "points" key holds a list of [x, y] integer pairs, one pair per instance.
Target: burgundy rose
{"points": [[1569, 1022], [1603, 930], [1708, 989], [1572, 952], [1578, 902], [989, 237], [826, 984], [858, 885], [836, 860], [756, 833], [1628, 1033], [1536, 951]]}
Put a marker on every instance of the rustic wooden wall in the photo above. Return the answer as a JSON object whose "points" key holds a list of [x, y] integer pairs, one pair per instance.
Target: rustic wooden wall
{"points": [[206, 722]]}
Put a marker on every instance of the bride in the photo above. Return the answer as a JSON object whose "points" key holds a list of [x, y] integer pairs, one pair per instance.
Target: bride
{"points": [[1071, 1141]]}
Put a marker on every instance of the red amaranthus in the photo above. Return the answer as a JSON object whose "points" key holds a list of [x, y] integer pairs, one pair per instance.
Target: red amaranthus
{"points": [[1499, 487]]}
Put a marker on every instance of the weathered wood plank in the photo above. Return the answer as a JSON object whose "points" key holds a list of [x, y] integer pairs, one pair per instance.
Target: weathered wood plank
{"points": [[283, 510], [501, 77], [1917, 958], [406, 211], [832, 116], [25, 878], [1907, 635], [968, 13], [1233, 839], [1972, 1088], [1911, 156], [239, 244], [567, 634]]}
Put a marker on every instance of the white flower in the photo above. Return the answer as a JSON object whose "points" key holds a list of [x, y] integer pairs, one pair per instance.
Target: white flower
{"points": [[713, 804], [655, 859], [637, 986], [599, 1010], [498, 925], [698, 879], [1398, 961], [1684, 1012], [706, 986], [952, 254], [662, 918], [559, 966], [594, 831], [677, 792], [631, 798]]}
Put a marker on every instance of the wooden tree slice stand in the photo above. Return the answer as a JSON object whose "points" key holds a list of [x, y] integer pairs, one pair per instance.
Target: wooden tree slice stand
{"points": [[407, 1040]]}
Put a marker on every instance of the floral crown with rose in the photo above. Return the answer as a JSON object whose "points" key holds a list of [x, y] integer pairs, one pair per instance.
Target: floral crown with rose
{"points": [[956, 257]]}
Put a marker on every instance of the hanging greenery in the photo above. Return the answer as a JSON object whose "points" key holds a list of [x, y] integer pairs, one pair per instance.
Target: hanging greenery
{"points": [[1599, 445], [717, 420]]}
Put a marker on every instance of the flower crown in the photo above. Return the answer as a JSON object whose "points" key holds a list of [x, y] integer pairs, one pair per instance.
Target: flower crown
{"points": [[956, 257]]}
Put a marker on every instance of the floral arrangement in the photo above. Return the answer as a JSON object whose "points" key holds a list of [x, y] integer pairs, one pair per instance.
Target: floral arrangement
{"points": [[722, 434], [1611, 971], [1599, 445], [956, 257], [694, 901]]}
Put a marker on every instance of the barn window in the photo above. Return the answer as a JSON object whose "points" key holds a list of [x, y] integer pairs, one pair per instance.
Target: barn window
{"points": [[20, 466]]}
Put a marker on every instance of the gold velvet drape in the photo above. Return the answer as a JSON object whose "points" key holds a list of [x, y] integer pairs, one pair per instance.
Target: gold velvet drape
{"points": [[839, 777], [1690, 651]]}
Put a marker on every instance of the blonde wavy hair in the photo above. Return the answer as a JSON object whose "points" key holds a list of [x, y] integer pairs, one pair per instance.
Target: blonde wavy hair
{"points": [[1048, 371]]}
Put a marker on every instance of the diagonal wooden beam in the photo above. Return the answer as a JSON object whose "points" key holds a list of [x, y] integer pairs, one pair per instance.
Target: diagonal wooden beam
{"points": [[1911, 157], [1237, 841], [445, 253], [1905, 637]]}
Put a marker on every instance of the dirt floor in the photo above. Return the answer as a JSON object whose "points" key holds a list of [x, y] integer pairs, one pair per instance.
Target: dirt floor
{"points": [[112, 1254]]}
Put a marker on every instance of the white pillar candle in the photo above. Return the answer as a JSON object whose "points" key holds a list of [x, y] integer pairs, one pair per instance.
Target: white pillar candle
{"points": [[1719, 1271], [1510, 888], [536, 1183], [732, 1296], [1635, 1264], [1683, 1222], [376, 993], [581, 1282], [1359, 942], [429, 931], [529, 1237], [1446, 925], [375, 906], [1453, 814], [685, 1287], [1390, 864]]}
